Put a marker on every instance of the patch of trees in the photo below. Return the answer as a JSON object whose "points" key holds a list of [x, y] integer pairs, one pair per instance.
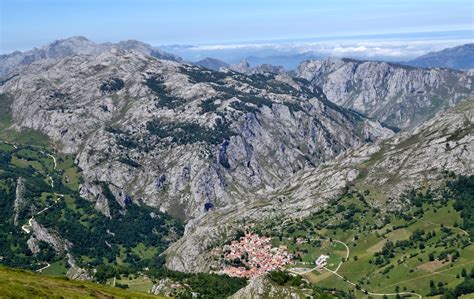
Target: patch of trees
{"points": [[284, 278], [206, 285], [208, 105], [189, 133], [241, 106], [463, 190], [164, 98], [129, 162], [112, 85], [97, 237], [201, 75], [250, 98]]}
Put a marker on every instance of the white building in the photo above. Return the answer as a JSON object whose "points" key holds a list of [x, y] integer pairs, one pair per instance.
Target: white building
{"points": [[322, 261]]}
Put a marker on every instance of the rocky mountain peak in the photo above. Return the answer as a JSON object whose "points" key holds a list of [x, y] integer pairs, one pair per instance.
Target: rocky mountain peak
{"points": [[242, 67], [77, 45], [398, 95]]}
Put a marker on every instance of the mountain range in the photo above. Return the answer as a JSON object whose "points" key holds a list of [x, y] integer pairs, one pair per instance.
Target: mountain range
{"points": [[78, 45], [460, 57], [154, 141]]}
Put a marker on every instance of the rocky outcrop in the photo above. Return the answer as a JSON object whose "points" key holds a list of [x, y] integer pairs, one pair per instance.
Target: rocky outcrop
{"points": [[75, 272], [262, 287], [262, 69], [20, 201], [40, 233], [398, 95], [168, 288], [94, 193]]}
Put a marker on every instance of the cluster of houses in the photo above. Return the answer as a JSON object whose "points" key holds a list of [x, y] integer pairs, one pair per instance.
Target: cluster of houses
{"points": [[252, 256]]}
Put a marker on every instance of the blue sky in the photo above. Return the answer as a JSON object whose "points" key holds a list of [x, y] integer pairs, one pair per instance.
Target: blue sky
{"points": [[29, 23]]}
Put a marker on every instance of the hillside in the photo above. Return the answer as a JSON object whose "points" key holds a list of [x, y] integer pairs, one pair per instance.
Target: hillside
{"points": [[460, 57], [24, 284], [397, 95]]}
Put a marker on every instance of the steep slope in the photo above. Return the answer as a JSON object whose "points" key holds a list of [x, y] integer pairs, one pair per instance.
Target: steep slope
{"points": [[22, 284], [387, 168], [400, 96], [211, 63], [176, 136], [460, 57], [77, 45]]}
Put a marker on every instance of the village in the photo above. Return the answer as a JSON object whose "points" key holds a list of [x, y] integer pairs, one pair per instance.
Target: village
{"points": [[253, 255]]}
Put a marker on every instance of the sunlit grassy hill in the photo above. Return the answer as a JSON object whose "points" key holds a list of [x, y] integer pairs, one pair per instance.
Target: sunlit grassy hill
{"points": [[23, 284]]}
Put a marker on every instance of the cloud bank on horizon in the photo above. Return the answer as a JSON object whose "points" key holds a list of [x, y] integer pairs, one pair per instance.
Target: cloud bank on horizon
{"points": [[392, 48]]}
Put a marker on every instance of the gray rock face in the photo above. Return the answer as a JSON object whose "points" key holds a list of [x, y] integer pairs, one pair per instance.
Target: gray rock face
{"points": [[20, 201], [75, 272], [262, 287], [42, 234], [242, 67], [397, 95], [77, 45], [262, 69], [178, 136]]}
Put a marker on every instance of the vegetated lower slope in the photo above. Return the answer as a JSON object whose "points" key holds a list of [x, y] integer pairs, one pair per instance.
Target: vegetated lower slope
{"points": [[177, 136], [398, 95], [460, 57], [46, 222], [22, 284], [387, 169], [424, 249]]}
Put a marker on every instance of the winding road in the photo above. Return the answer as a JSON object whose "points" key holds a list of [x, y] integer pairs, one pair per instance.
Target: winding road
{"points": [[27, 227], [348, 281]]}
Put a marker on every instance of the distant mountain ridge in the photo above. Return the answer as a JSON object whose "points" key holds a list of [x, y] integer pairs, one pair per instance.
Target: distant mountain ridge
{"points": [[211, 63], [76, 45], [395, 94], [460, 57]]}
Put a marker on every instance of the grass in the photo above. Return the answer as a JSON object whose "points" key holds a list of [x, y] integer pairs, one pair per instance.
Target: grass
{"points": [[70, 177], [144, 252], [23, 284], [56, 269], [137, 284], [25, 136], [24, 163]]}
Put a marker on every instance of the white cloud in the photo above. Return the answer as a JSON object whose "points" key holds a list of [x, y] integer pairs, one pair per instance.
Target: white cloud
{"points": [[382, 48]]}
